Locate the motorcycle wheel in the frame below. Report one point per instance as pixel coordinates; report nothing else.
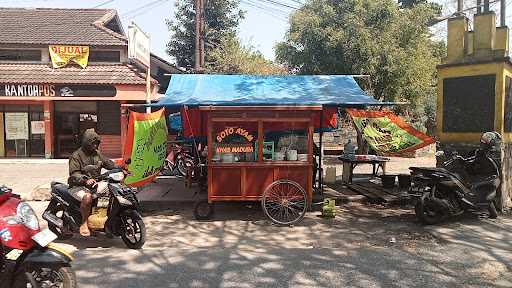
(62, 277)
(183, 163)
(58, 210)
(493, 213)
(203, 210)
(134, 230)
(426, 214)
(167, 168)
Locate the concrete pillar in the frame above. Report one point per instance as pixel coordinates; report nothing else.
(124, 125)
(2, 140)
(48, 129)
(485, 32)
(502, 39)
(457, 28)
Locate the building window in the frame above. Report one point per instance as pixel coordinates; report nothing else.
(105, 56)
(20, 55)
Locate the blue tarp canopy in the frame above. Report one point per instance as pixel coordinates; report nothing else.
(214, 89)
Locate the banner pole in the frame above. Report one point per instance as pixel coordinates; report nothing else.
(148, 90)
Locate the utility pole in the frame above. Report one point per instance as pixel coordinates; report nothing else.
(197, 62)
(202, 36)
(199, 41)
(503, 16)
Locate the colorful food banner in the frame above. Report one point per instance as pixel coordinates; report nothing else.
(387, 133)
(146, 146)
(61, 55)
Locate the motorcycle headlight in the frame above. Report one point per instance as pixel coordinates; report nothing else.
(24, 215)
(118, 176)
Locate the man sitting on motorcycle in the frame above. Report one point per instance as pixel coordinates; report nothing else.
(82, 182)
(481, 162)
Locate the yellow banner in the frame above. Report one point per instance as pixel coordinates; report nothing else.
(61, 55)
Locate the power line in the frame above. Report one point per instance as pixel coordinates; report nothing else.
(281, 4)
(269, 7)
(145, 6)
(264, 9)
(103, 3)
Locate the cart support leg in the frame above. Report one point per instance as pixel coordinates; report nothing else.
(320, 176)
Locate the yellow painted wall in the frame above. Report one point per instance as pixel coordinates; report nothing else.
(457, 28)
(485, 31)
(470, 39)
(501, 38)
(470, 70)
(507, 72)
(2, 150)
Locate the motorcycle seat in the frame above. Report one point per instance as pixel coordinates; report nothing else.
(62, 190)
(488, 181)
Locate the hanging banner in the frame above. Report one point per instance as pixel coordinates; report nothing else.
(61, 55)
(387, 133)
(146, 146)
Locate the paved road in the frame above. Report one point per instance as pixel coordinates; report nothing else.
(365, 246)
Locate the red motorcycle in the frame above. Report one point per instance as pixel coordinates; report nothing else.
(179, 160)
(28, 258)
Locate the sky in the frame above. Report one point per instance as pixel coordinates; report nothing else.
(265, 24)
(262, 28)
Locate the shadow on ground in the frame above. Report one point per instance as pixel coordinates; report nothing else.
(364, 246)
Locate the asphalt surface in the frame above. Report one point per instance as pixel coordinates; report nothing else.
(364, 246)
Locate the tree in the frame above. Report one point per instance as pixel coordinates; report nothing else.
(410, 3)
(221, 21)
(231, 57)
(374, 37)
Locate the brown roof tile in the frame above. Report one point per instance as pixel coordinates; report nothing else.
(92, 74)
(58, 26)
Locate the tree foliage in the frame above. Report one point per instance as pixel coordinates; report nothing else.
(232, 57)
(223, 51)
(374, 37)
(221, 22)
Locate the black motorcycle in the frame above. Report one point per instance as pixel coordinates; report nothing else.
(462, 184)
(115, 210)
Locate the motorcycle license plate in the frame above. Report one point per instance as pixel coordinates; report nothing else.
(14, 254)
(44, 237)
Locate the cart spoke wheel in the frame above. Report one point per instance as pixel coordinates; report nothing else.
(284, 202)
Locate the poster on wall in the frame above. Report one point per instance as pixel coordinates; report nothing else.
(37, 127)
(16, 126)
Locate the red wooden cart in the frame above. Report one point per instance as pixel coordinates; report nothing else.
(260, 153)
(259, 132)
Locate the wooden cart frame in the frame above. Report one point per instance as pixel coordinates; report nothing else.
(262, 180)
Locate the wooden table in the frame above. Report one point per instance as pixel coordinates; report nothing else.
(349, 163)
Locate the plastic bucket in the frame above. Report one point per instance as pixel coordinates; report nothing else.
(404, 181)
(388, 181)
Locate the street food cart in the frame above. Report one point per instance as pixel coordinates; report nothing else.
(259, 136)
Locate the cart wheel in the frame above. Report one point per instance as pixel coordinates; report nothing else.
(284, 202)
(203, 210)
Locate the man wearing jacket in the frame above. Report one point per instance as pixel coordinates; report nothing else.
(84, 165)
